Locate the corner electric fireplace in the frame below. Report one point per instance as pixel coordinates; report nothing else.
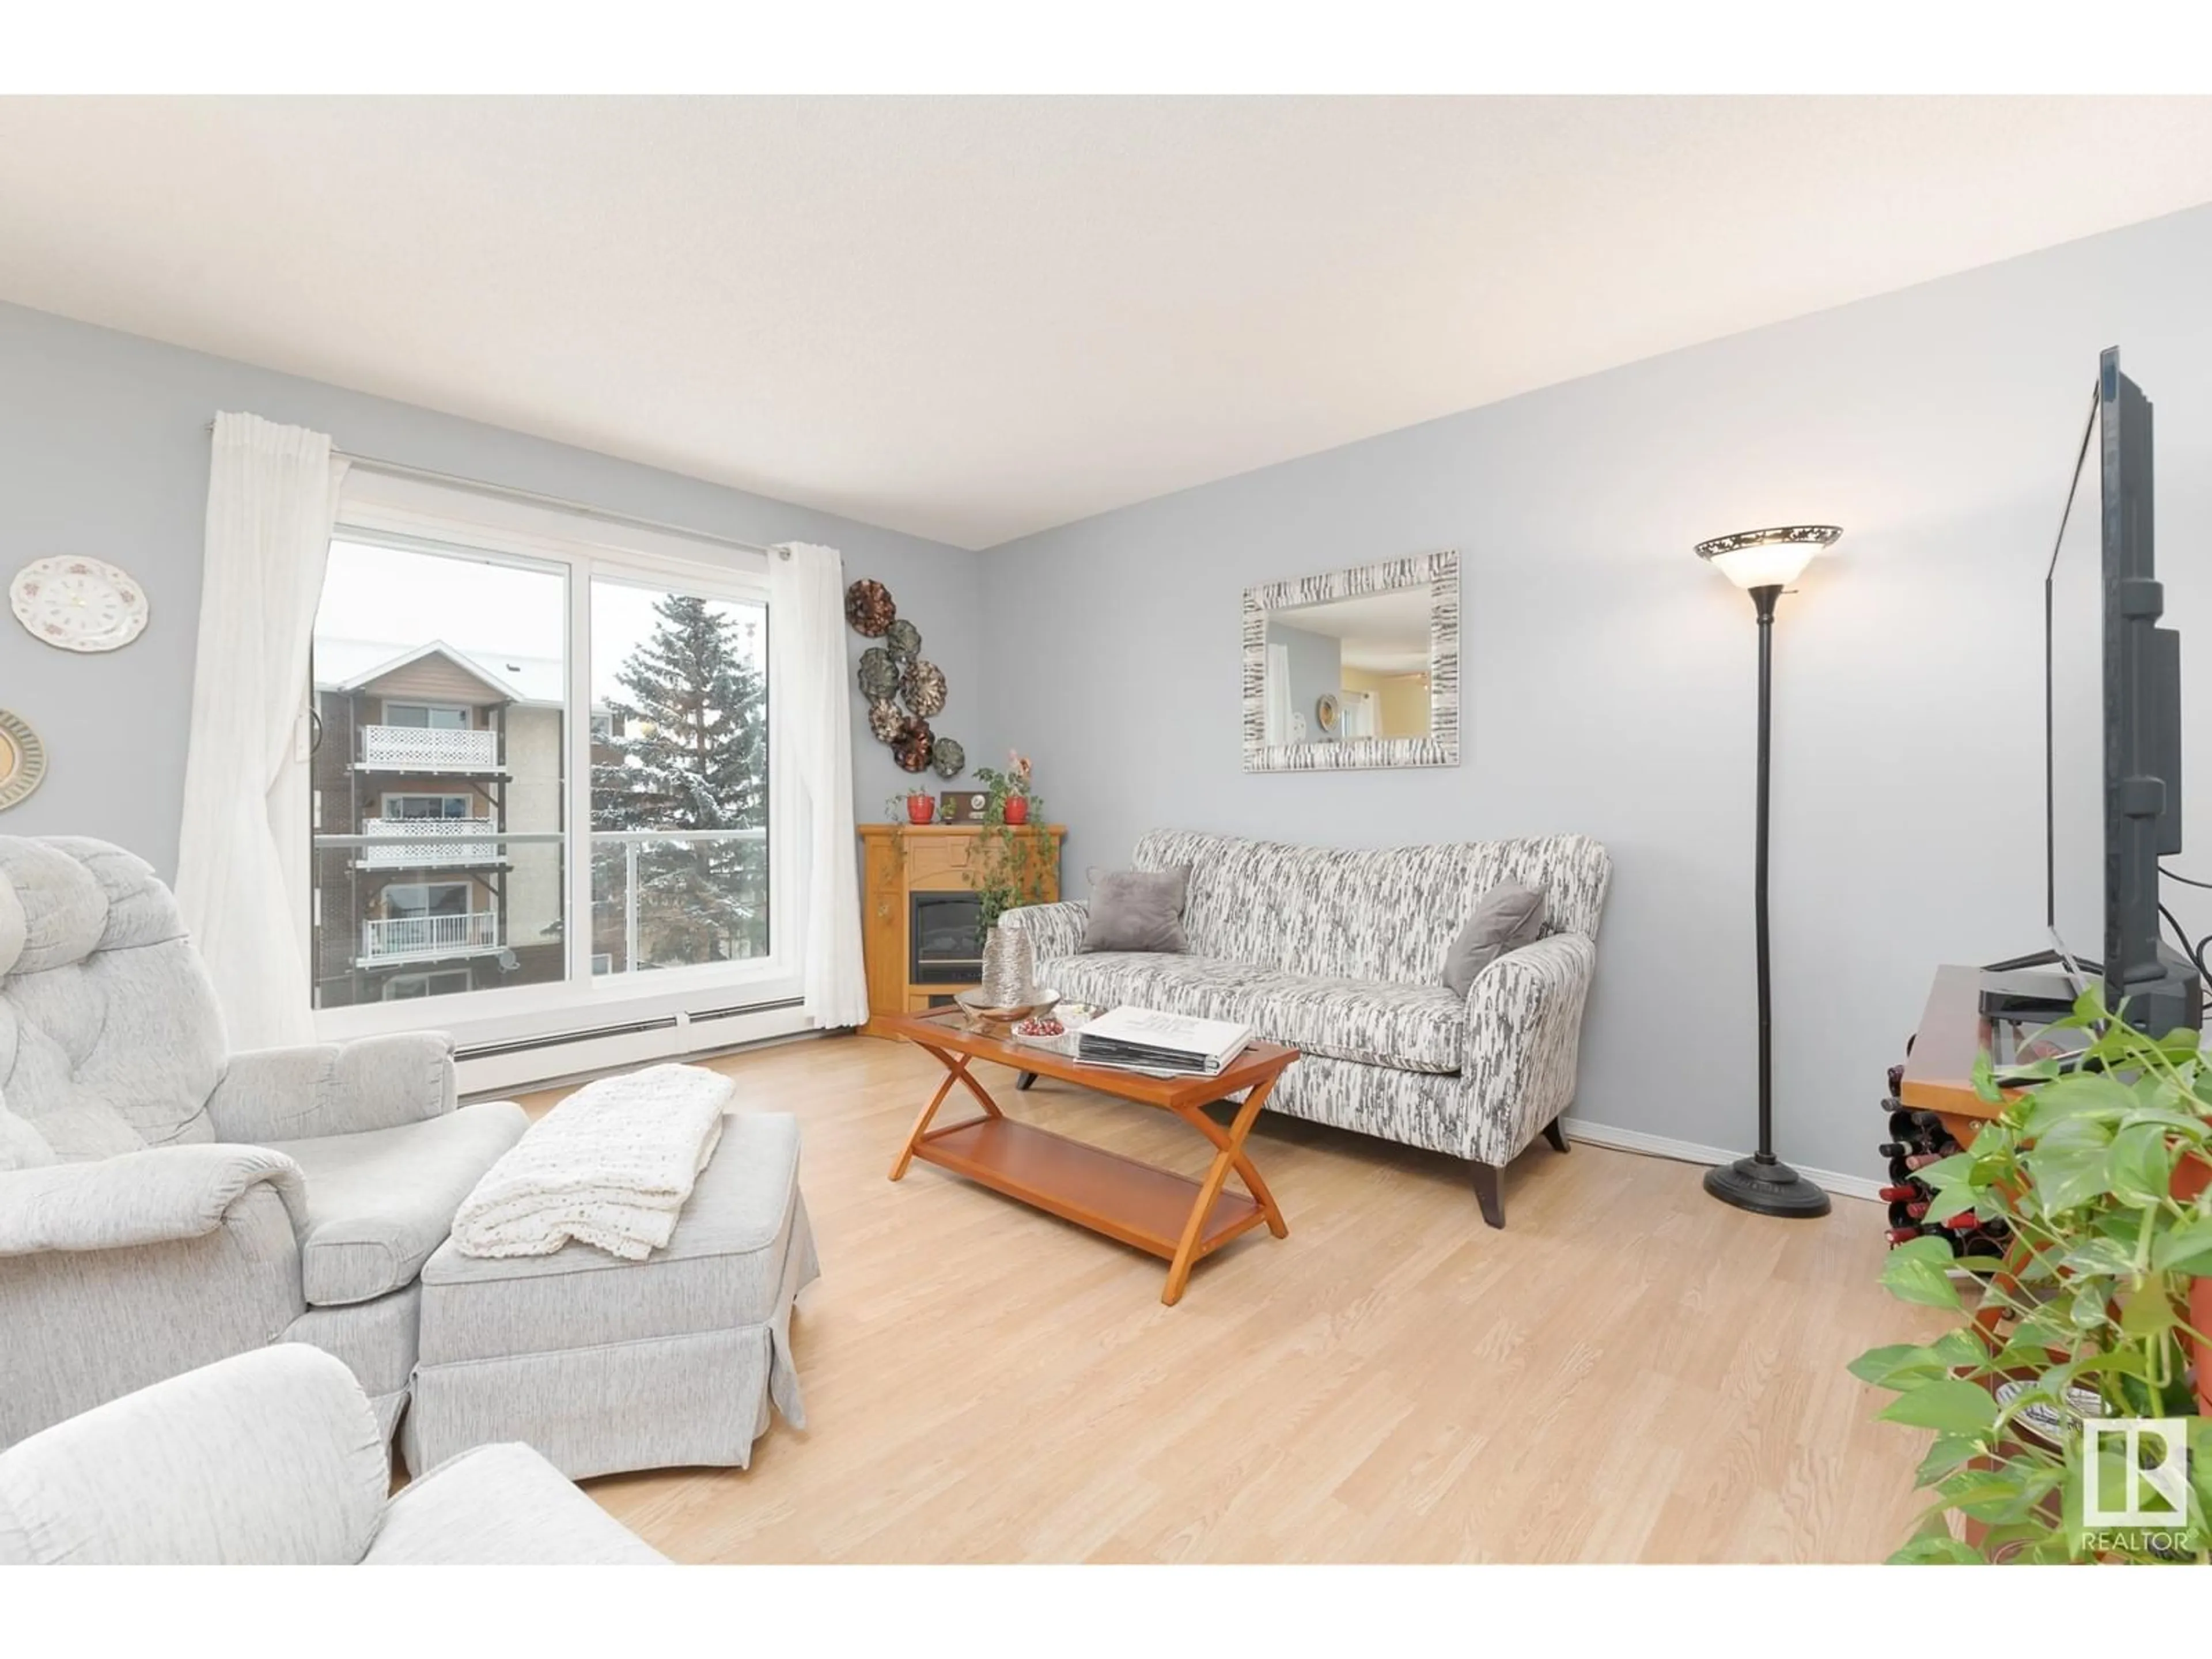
(946, 931)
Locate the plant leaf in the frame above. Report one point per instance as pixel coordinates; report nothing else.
(1945, 1453)
(2187, 1250)
(1948, 1403)
(2138, 1169)
(1932, 1549)
(2067, 1175)
(1896, 1366)
(1916, 1273)
(2149, 1310)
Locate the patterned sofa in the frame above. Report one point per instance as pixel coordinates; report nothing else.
(1341, 953)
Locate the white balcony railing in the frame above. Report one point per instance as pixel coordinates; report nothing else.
(405, 938)
(428, 749)
(428, 843)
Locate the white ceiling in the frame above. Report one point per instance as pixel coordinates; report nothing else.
(975, 318)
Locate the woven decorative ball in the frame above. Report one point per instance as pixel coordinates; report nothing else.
(922, 685)
(911, 749)
(879, 674)
(948, 757)
(870, 610)
(884, 719)
(903, 638)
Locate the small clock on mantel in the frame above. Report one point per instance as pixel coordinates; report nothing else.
(79, 604)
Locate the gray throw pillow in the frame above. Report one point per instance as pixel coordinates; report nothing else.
(1137, 910)
(1507, 917)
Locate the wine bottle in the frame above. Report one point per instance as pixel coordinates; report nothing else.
(1924, 1127)
(1904, 1192)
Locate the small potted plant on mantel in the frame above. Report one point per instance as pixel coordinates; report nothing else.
(917, 805)
(2097, 1174)
(1010, 799)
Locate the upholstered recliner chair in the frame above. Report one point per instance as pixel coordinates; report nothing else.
(274, 1459)
(164, 1204)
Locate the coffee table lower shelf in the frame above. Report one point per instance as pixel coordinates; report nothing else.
(1137, 1203)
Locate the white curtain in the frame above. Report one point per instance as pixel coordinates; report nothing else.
(243, 859)
(806, 618)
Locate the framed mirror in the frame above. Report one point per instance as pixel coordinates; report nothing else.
(1357, 668)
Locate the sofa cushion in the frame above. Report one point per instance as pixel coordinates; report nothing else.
(1509, 917)
(380, 1203)
(1415, 1028)
(1136, 910)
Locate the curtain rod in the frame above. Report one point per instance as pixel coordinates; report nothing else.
(536, 498)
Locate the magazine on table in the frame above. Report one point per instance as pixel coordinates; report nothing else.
(1171, 1045)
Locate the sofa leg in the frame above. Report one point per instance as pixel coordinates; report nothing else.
(1556, 1133)
(1025, 1079)
(1489, 1192)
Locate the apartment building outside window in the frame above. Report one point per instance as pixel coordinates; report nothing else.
(543, 773)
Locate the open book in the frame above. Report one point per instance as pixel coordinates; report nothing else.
(1177, 1045)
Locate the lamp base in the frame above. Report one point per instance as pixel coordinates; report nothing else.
(1766, 1186)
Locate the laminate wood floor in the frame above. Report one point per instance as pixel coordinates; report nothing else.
(1630, 1372)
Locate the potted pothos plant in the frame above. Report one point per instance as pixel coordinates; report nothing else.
(1008, 870)
(2100, 1173)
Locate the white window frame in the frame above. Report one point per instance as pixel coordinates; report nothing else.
(414, 514)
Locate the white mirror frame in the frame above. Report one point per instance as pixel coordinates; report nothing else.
(1440, 573)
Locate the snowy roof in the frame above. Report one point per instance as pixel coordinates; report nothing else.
(344, 664)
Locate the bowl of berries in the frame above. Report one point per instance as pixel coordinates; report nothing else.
(1055, 1028)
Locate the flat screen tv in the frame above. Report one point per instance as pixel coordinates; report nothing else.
(2112, 728)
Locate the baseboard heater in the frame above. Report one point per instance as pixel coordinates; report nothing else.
(630, 1028)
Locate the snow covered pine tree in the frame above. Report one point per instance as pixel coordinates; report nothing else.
(687, 750)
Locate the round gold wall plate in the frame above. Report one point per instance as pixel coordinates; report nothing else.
(22, 761)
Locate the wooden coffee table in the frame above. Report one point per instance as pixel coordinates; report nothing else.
(1170, 1215)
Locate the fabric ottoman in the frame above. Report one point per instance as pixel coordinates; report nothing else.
(606, 1366)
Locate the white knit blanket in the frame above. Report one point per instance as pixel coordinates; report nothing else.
(610, 1165)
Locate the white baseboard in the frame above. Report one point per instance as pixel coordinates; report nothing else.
(1686, 1152)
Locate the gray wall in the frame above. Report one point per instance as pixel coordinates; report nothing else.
(1608, 677)
(104, 451)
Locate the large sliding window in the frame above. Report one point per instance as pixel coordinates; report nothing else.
(543, 769)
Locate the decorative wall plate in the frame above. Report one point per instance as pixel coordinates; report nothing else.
(869, 608)
(23, 760)
(1326, 711)
(884, 719)
(79, 604)
(912, 750)
(879, 674)
(922, 685)
(903, 638)
(947, 756)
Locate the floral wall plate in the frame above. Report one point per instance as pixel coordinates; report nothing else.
(23, 760)
(79, 604)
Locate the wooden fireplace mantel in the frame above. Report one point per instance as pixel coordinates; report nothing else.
(898, 860)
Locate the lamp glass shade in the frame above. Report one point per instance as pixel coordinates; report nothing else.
(1767, 558)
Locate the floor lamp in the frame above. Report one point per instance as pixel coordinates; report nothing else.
(1763, 562)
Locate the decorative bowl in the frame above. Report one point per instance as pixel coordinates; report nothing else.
(976, 1006)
